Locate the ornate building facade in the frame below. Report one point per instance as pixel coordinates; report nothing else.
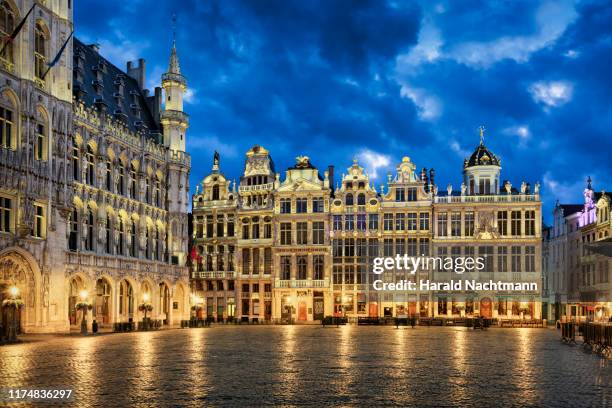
(95, 178)
(323, 241)
(577, 262)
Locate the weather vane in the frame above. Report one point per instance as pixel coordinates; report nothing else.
(482, 130)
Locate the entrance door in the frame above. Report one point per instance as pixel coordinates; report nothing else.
(485, 307)
(318, 309)
(302, 313)
(6, 315)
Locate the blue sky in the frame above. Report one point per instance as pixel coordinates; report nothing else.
(336, 80)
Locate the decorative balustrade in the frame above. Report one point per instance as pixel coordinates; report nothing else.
(497, 198)
(258, 187)
(299, 284)
(123, 264)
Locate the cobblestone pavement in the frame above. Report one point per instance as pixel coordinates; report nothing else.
(299, 365)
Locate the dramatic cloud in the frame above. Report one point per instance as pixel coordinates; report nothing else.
(376, 80)
(553, 93)
(373, 161)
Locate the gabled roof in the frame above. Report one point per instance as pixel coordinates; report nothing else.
(122, 106)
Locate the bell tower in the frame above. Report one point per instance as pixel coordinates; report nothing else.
(174, 121)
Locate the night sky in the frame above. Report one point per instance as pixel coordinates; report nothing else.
(336, 80)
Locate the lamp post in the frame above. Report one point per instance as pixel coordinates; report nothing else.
(83, 306)
(145, 307)
(13, 304)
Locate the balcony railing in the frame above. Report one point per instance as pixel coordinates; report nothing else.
(307, 283)
(258, 187)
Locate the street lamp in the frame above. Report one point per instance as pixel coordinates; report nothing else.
(83, 306)
(145, 307)
(12, 305)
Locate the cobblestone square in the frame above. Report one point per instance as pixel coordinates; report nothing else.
(311, 365)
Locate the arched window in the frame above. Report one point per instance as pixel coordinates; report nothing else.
(7, 25)
(215, 192)
(126, 300)
(148, 243)
(361, 199)
(6, 127)
(156, 245)
(40, 51)
(348, 200)
(90, 171)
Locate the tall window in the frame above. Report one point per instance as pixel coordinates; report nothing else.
(349, 222)
(5, 214)
(267, 228)
(361, 199)
(442, 225)
(361, 222)
(348, 200)
(388, 222)
(90, 170)
(411, 221)
(120, 187)
(502, 222)
(317, 205)
(108, 175)
(502, 259)
(157, 192)
(40, 147)
(39, 221)
(147, 242)
(119, 243)
(156, 254)
(318, 267)
(89, 226)
(515, 223)
(74, 230)
(109, 240)
(400, 194)
(285, 206)
(400, 221)
(285, 231)
(456, 224)
(7, 24)
(133, 181)
(6, 127)
(530, 222)
(302, 265)
(301, 205)
(147, 190)
(412, 194)
(40, 54)
(215, 192)
(220, 226)
(267, 261)
(530, 259)
(469, 224)
(318, 232)
(424, 221)
(337, 223)
(516, 259)
(75, 161)
(373, 222)
(302, 233)
(285, 263)
(133, 239)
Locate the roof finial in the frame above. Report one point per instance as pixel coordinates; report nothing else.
(173, 29)
(482, 130)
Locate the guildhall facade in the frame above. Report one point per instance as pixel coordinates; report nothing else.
(94, 178)
(304, 249)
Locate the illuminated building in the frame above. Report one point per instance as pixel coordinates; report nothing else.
(283, 262)
(94, 189)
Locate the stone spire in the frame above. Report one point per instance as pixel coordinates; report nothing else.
(174, 67)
